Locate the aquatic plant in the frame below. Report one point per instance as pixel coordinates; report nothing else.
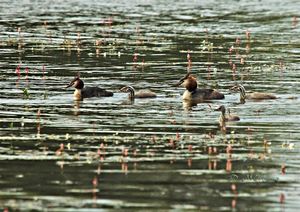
(26, 93)
(45, 95)
(11, 41)
(205, 45)
(60, 150)
(18, 72)
(135, 57)
(26, 72)
(247, 32)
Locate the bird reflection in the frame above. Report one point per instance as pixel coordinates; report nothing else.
(188, 105)
(129, 101)
(77, 107)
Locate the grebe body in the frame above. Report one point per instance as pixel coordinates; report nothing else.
(82, 92)
(226, 118)
(140, 94)
(195, 94)
(254, 95)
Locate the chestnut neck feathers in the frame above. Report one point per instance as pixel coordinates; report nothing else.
(189, 82)
(78, 83)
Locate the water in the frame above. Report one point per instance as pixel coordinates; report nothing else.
(152, 154)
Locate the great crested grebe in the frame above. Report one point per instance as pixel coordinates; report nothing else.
(82, 92)
(140, 94)
(254, 95)
(192, 93)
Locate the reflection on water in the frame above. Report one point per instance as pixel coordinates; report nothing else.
(154, 154)
(76, 107)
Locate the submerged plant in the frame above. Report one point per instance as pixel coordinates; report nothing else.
(45, 95)
(26, 93)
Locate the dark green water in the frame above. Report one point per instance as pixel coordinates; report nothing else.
(152, 154)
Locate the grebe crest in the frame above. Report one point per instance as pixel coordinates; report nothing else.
(189, 82)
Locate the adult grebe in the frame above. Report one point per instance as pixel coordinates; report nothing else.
(192, 93)
(82, 92)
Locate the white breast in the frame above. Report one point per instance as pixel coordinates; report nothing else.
(77, 94)
(187, 95)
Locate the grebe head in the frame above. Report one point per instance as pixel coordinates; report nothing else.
(241, 89)
(222, 109)
(129, 89)
(189, 82)
(76, 83)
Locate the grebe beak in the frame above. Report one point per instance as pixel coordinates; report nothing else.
(218, 108)
(123, 89)
(181, 80)
(72, 83)
(178, 84)
(234, 88)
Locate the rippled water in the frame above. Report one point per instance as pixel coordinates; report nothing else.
(57, 154)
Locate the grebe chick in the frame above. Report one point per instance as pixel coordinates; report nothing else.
(225, 118)
(82, 92)
(140, 94)
(254, 95)
(192, 93)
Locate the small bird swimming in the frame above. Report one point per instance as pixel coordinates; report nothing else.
(225, 118)
(82, 92)
(140, 94)
(229, 117)
(254, 95)
(192, 93)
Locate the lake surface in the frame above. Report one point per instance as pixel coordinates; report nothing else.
(150, 154)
